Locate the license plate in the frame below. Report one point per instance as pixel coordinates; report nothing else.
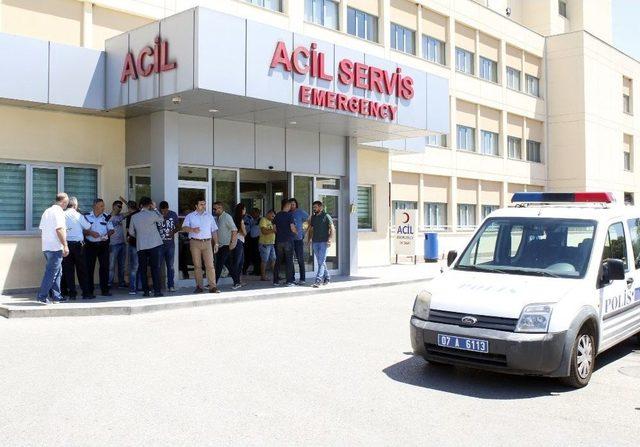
(464, 343)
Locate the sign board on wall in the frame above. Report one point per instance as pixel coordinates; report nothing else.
(405, 229)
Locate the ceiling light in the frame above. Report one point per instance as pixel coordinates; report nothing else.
(176, 100)
(293, 122)
(213, 110)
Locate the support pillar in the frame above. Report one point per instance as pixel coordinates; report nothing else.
(350, 201)
(87, 24)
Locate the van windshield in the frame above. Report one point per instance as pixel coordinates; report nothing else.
(531, 246)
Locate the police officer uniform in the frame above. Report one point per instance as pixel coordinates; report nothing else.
(98, 248)
(75, 261)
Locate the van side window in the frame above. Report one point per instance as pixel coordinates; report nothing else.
(634, 234)
(615, 244)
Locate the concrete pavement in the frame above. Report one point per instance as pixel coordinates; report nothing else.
(330, 369)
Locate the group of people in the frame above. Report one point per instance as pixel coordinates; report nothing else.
(72, 244)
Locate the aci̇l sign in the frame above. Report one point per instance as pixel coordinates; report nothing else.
(150, 60)
(304, 60)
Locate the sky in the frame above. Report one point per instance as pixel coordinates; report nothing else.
(626, 26)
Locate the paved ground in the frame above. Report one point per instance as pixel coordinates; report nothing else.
(316, 370)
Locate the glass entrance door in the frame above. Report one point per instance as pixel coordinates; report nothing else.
(303, 192)
(188, 195)
(328, 192)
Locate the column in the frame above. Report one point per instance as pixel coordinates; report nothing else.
(524, 138)
(421, 219)
(350, 200)
(164, 142)
(523, 87)
(502, 68)
(419, 31)
(476, 55)
(478, 202)
(477, 133)
(87, 24)
(452, 209)
(450, 46)
(384, 28)
(504, 192)
(0, 16)
(504, 144)
(453, 134)
(342, 25)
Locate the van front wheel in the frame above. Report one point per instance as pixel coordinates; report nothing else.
(583, 358)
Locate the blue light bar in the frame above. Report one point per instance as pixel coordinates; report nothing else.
(562, 197)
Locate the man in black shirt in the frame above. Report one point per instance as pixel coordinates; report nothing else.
(285, 227)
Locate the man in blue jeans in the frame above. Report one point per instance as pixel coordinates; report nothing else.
(285, 233)
(54, 247)
(117, 246)
(300, 218)
(319, 234)
(167, 231)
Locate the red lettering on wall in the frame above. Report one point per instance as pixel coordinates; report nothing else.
(140, 67)
(295, 62)
(281, 57)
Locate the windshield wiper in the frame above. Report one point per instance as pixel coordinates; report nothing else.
(477, 268)
(533, 272)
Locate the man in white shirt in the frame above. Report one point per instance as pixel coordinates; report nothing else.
(75, 262)
(202, 230)
(97, 247)
(54, 247)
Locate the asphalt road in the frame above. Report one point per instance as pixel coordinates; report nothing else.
(321, 370)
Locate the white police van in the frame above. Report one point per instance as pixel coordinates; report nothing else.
(540, 289)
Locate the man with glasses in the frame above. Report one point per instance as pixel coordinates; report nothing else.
(203, 231)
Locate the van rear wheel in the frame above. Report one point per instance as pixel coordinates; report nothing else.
(583, 358)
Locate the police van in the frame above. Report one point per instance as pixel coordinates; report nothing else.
(542, 288)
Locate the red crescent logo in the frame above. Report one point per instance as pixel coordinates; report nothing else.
(406, 218)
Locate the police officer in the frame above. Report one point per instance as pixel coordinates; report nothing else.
(74, 262)
(97, 247)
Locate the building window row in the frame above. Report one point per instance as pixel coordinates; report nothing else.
(488, 69)
(433, 49)
(464, 61)
(274, 5)
(489, 144)
(402, 39)
(26, 190)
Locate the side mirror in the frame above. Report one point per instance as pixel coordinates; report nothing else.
(451, 256)
(612, 270)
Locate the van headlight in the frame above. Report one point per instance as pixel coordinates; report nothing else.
(534, 318)
(422, 304)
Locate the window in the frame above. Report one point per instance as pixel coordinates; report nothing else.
(532, 247)
(44, 184)
(533, 85)
(437, 140)
(12, 196)
(361, 24)
(466, 138)
(562, 8)
(466, 215)
(433, 49)
(365, 207)
(634, 234)
(401, 205)
(514, 146)
(402, 39)
(533, 151)
(435, 215)
(26, 190)
(223, 184)
(488, 209)
(615, 245)
(488, 69)
(322, 12)
(628, 198)
(513, 78)
(274, 5)
(627, 161)
(489, 142)
(626, 104)
(464, 61)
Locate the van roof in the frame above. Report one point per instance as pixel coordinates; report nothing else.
(574, 211)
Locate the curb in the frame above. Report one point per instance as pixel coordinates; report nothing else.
(140, 307)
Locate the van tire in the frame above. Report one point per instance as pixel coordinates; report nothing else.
(583, 356)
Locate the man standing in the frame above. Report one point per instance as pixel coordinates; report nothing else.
(54, 248)
(266, 244)
(117, 248)
(320, 234)
(132, 252)
(300, 218)
(145, 228)
(227, 237)
(168, 230)
(202, 230)
(285, 235)
(97, 247)
(75, 262)
(251, 251)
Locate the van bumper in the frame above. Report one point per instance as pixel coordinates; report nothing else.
(510, 352)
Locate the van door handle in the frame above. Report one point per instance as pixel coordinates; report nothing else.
(629, 281)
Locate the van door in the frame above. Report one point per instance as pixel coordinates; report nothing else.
(615, 295)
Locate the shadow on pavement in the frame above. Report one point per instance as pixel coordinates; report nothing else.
(619, 351)
(470, 382)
